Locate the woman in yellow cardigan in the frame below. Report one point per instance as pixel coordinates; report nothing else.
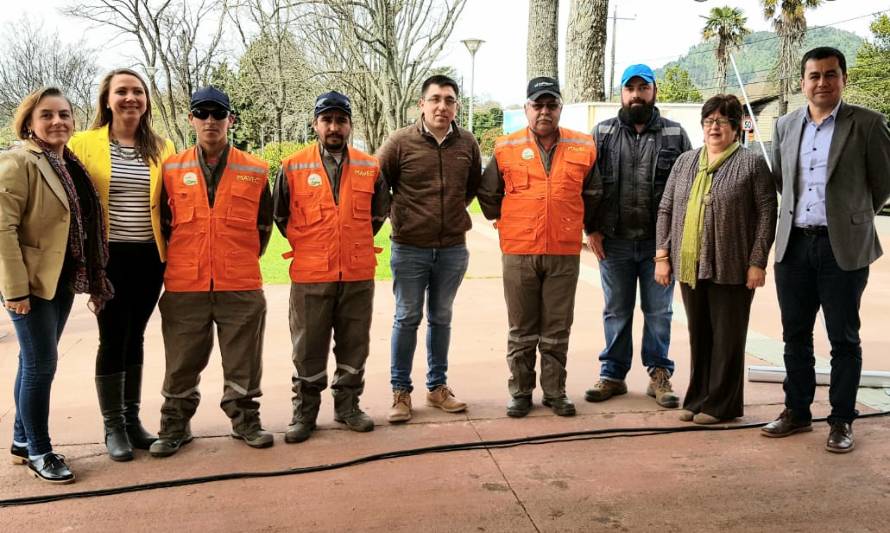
(124, 155)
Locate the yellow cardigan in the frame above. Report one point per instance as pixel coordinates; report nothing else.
(92, 148)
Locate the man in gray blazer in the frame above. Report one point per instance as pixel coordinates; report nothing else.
(831, 163)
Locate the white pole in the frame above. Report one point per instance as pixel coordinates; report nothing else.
(776, 374)
(472, 82)
(751, 113)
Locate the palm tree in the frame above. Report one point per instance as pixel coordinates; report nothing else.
(726, 25)
(790, 22)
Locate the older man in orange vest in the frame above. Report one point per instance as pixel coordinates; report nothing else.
(329, 202)
(217, 218)
(540, 189)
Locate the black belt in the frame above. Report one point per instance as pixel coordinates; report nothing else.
(811, 230)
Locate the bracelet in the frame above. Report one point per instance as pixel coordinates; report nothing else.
(662, 259)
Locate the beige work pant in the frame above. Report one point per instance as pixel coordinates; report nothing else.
(187, 320)
(540, 295)
(317, 310)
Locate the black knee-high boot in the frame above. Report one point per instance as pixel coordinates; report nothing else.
(139, 437)
(111, 402)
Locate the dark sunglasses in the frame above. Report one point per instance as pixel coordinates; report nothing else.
(217, 114)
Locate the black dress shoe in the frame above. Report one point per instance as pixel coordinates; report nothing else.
(19, 454)
(51, 468)
(560, 405)
(519, 406)
(840, 438)
(785, 425)
(165, 447)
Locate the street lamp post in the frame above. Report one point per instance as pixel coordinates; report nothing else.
(472, 45)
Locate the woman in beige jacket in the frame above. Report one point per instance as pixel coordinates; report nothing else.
(52, 245)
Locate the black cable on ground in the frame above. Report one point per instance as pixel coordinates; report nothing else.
(551, 438)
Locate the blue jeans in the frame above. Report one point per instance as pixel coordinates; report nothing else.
(38, 332)
(809, 278)
(434, 273)
(627, 262)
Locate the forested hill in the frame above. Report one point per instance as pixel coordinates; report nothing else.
(757, 56)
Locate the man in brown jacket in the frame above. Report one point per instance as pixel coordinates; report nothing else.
(433, 168)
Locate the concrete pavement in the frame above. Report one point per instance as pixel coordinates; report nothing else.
(733, 480)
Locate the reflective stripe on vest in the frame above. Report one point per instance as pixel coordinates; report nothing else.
(543, 214)
(215, 247)
(330, 242)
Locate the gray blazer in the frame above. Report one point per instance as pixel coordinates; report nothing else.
(858, 183)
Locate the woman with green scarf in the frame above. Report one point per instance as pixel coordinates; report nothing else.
(716, 224)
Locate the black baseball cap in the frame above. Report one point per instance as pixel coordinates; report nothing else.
(542, 85)
(210, 95)
(332, 100)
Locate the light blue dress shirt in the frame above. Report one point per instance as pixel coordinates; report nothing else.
(812, 170)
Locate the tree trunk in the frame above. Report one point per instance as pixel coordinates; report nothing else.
(543, 39)
(586, 51)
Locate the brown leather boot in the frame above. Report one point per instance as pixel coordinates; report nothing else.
(660, 389)
(401, 406)
(444, 399)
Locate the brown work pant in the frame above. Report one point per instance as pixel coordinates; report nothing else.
(717, 317)
(540, 295)
(315, 310)
(187, 320)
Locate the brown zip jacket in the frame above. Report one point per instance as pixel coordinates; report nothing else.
(431, 185)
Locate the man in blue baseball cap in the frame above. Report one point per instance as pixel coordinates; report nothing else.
(329, 202)
(216, 217)
(636, 152)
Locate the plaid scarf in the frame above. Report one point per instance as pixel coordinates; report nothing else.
(87, 243)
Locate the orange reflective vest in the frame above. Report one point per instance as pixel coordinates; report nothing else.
(330, 242)
(214, 248)
(543, 214)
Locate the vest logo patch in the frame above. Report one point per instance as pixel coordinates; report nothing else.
(190, 179)
(576, 149)
(364, 172)
(314, 180)
(251, 179)
(528, 154)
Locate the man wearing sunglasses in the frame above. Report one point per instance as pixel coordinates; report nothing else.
(433, 168)
(637, 150)
(540, 189)
(329, 202)
(216, 213)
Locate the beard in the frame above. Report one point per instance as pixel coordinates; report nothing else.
(334, 144)
(638, 114)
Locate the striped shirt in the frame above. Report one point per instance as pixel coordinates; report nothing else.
(129, 210)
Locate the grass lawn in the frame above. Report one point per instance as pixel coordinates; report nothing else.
(275, 268)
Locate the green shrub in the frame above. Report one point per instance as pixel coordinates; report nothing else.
(274, 152)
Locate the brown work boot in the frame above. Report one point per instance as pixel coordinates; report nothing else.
(605, 389)
(444, 399)
(660, 389)
(401, 406)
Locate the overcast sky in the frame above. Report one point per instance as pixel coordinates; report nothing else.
(661, 31)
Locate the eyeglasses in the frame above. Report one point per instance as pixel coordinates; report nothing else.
(436, 100)
(552, 106)
(203, 114)
(708, 122)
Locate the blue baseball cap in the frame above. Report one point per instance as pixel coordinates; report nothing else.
(210, 95)
(637, 71)
(332, 100)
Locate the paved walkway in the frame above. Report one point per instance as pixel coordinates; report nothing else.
(730, 480)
